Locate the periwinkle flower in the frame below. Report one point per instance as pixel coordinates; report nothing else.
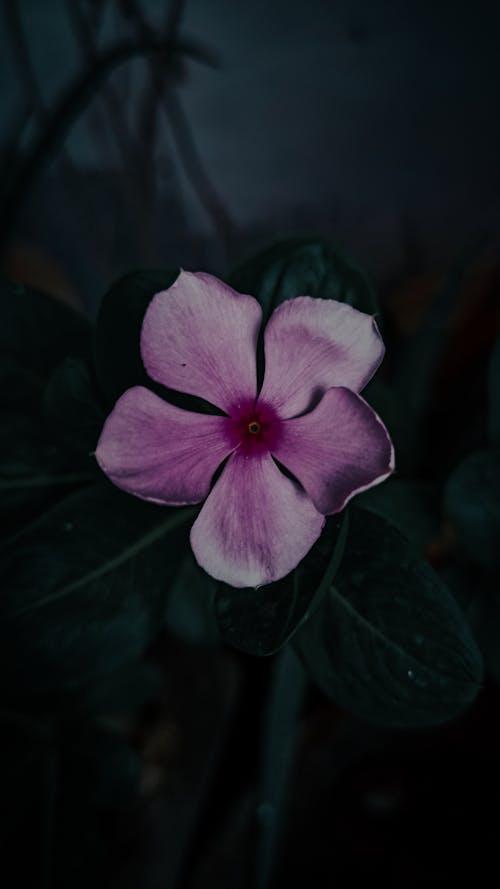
(200, 337)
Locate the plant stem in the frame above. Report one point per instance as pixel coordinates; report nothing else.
(279, 742)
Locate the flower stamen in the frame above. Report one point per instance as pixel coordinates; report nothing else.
(254, 427)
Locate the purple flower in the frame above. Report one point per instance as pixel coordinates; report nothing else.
(200, 337)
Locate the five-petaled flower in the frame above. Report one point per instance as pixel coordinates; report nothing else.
(200, 337)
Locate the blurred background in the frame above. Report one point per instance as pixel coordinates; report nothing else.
(373, 124)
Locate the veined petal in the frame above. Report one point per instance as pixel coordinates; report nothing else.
(256, 524)
(337, 450)
(159, 452)
(313, 344)
(200, 337)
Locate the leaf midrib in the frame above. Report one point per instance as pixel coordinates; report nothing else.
(390, 642)
(128, 553)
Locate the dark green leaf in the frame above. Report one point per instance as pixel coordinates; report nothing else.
(387, 404)
(259, 621)
(472, 503)
(28, 462)
(303, 267)
(412, 506)
(494, 395)
(190, 611)
(73, 411)
(42, 457)
(84, 587)
(33, 470)
(117, 338)
(36, 333)
(389, 643)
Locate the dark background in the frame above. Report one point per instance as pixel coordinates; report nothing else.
(374, 124)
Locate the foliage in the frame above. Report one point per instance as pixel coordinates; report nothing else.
(91, 577)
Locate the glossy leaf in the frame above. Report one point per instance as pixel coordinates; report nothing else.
(29, 463)
(386, 402)
(42, 458)
(389, 643)
(303, 267)
(36, 333)
(73, 412)
(118, 329)
(190, 614)
(259, 621)
(84, 587)
(410, 505)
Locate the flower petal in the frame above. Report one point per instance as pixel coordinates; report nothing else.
(200, 337)
(256, 524)
(313, 344)
(159, 452)
(337, 450)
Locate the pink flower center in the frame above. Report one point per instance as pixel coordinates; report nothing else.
(253, 427)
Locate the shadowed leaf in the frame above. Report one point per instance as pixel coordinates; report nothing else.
(389, 643)
(303, 267)
(84, 587)
(259, 621)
